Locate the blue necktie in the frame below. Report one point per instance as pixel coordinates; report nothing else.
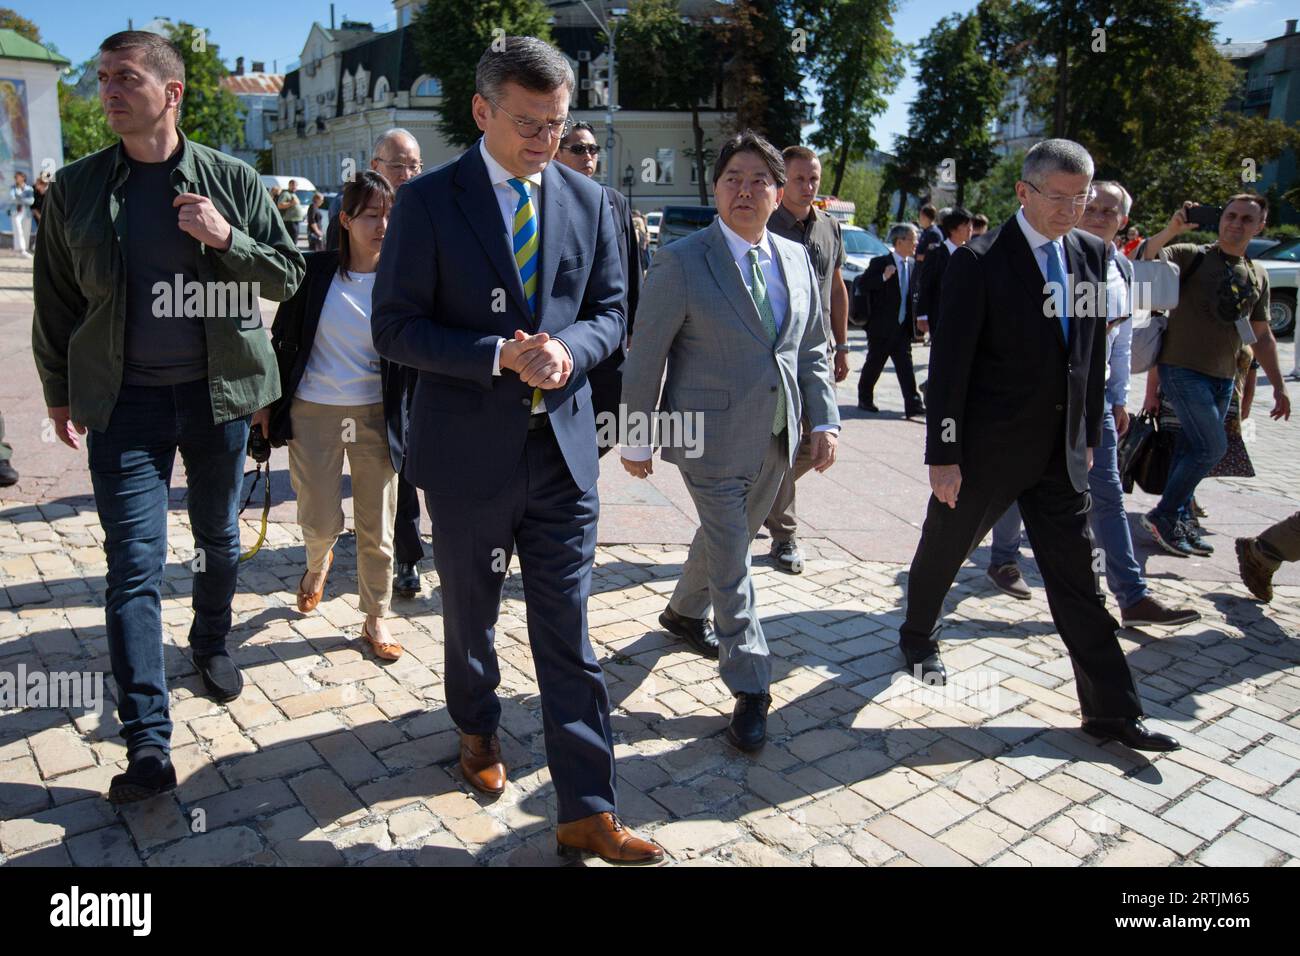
(903, 286)
(1060, 291)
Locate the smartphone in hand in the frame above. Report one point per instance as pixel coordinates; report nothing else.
(1204, 217)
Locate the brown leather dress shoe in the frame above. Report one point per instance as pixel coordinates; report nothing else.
(604, 836)
(480, 762)
(307, 600)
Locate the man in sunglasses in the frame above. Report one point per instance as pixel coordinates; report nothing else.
(1014, 411)
(580, 152)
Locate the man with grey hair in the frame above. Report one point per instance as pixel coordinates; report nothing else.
(1015, 409)
(501, 284)
(884, 293)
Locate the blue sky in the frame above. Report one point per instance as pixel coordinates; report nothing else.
(259, 30)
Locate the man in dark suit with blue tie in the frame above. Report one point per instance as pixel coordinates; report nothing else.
(501, 284)
(886, 290)
(1014, 413)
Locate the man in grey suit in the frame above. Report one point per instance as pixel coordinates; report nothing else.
(734, 313)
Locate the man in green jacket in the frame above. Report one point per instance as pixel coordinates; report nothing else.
(147, 333)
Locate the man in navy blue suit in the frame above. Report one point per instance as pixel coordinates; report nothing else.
(501, 284)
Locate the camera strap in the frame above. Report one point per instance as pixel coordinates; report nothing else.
(258, 475)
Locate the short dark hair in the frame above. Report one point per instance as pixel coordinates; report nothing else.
(747, 141)
(581, 125)
(799, 152)
(355, 198)
(161, 57)
(980, 219)
(929, 210)
(532, 63)
(1256, 198)
(954, 218)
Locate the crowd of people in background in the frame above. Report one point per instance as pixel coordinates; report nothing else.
(462, 331)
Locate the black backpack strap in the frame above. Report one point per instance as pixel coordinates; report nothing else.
(1191, 269)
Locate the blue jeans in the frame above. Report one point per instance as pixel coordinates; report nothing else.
(1201, 404)
(1110, 523)
(1006, 539)
(131, 467)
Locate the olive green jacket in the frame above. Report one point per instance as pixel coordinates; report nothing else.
(79, 326)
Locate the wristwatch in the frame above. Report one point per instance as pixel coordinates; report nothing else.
(843, 348)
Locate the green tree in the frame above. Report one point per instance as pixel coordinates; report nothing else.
(950, 120)
(995, 194)
(856, 62)
(450, 37)
(764, 81)
(210, 114)
(904, 174)
(859, 185)
(667, 61)
(13, 20)
(85, 130)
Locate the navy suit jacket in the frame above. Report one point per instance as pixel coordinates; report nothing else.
(448, 289)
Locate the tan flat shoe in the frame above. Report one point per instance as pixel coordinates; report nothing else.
(384, 650)
(307, 600)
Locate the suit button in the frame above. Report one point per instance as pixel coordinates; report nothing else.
(772, 389)
(1060, 408)
(528, 403)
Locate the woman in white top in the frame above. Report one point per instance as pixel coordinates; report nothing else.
(339, 399)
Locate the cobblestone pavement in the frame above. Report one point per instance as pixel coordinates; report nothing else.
(332, 757)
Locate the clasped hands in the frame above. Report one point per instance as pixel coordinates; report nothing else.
(539, 360)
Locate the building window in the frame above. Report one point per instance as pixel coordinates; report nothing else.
(664, 159)
(427, 86)
(381, 89)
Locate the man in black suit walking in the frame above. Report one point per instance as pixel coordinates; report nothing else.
(581, 153)
(886, 288)
(1015, 410)
(956, 225)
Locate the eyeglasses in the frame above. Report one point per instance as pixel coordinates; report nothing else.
(412, 168)
(580, 149)
(528, 129)
(1060, 201)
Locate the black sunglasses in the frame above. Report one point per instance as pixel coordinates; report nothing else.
(578, 149)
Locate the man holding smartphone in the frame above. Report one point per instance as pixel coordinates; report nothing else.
(1223, 303)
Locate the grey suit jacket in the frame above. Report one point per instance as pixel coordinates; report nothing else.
(697, 319)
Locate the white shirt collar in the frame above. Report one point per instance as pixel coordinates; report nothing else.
(952, 246)
(740, 246)
(498, 174)
(1032, 235)
(899, 259)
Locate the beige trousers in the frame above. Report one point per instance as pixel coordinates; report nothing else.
(321, 436)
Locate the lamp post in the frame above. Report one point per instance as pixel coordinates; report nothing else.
(610, 26)
(629, 175)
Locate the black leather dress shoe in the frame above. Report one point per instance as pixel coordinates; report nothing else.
(929, 670)
(406, 579)
(220, 675)
(149, 773)
(748, 728)
(1131, 733)
(8, 475)
(695, 631)
(868, 406)
(915, 411)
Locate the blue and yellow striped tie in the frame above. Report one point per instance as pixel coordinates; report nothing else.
(525, 246)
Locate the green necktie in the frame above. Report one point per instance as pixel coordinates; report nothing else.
(758, 289)
(525, 247)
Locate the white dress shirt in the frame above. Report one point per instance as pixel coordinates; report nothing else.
(1038, 243)
(507, 199)
(1119, 335)
(739, 247)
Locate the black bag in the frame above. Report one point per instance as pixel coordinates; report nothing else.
(1150, 467)
(1141, 429)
